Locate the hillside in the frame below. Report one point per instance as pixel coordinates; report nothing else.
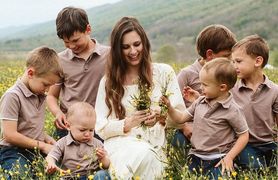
(167, 22)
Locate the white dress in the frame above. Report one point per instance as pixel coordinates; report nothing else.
(138, 152)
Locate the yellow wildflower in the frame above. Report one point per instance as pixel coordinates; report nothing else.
(234, 173)
(91, 177)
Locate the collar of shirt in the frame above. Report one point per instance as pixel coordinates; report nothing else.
(225, 103)
(70, 140)
(27, 92)
(266, 83)
(97, 50)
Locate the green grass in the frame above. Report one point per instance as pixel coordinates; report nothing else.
(177, 168)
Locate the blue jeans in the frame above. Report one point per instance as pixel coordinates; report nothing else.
(255, 156)
(179, 140)
(207, 166)
(12, 156)
(99, 175)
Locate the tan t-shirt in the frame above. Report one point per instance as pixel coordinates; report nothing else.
(260, 109)
(215, 128)
(189, 76)
(80, 158)
(19, 104)
(81, 78)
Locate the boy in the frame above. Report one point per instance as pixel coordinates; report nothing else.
(22, 110)
(258, 97)
(79, 151)
(82, 63)
(220, 131)
(213, 41)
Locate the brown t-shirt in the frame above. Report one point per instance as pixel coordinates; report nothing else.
(19, 104)
(215, 128)
(80, 158)
(189, 76)
(81, 77)
(260, 109)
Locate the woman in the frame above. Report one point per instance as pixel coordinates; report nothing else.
(133, 149)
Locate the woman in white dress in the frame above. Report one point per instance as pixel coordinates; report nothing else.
(134, 150)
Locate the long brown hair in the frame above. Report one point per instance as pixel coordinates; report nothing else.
(116, 66)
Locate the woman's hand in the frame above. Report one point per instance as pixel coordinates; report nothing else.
(151, 119)
(135, 119)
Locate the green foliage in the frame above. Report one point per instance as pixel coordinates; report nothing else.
(176, 162)
(167, 53)
(275, 58)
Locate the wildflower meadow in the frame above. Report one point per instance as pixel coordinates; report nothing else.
(176, 167)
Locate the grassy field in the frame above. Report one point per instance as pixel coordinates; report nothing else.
(10, 71)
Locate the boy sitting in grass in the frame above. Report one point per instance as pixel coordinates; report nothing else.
(80, 153)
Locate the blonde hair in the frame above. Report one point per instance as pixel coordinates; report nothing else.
(223, 70)
(81, 107)
(44, 60)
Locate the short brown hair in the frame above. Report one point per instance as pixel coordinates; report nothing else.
(44, 60)
(70, 20)
(215, 37)
(224, 71)
(254, 46)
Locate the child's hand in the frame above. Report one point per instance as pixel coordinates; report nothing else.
(101, 153)
(187, 130)
(45, 147)
(51, 168)
(159, 118)
(190, 94)
(165, 100)
(61, 121)
(49, 140)
(227, 165)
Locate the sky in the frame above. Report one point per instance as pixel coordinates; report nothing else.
(26, 12)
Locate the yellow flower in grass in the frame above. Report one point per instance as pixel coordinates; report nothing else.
(78, 167)
(245, 178)
(2, 178)
(91, 177)
(234, 173)
(137, 178)
(61, 173)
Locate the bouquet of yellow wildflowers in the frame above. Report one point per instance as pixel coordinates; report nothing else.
(142, 101)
